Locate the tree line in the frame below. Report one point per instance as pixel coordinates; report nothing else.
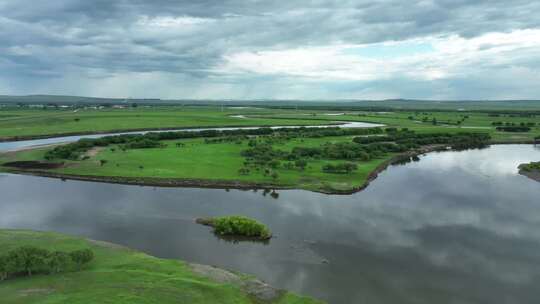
(513, 124)
(412, 140)
(74, 151)
(514, 129)
(262, 154)
(29, 260)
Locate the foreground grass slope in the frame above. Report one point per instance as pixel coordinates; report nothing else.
(120, 275)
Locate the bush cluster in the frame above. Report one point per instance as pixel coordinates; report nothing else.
(28, 260)
(532, 167)
(414, 140)
(513, 129)
(340, 168)
(513, 124)
(263, 154)
(240, 226)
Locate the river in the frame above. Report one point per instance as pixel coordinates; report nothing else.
(15, 145)
(454, 227)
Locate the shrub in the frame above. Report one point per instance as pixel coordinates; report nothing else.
(243, 171)
(340, 168)
(59, 261)
(535, 166)
(301, 164)
(3, 268)
(240, 226)
(514, 129)
(81, 257)
(28, 260)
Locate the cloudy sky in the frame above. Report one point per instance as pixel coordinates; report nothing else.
(294, 49)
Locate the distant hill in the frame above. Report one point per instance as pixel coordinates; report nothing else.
(327, 104)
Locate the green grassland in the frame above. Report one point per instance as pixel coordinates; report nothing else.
(119, 275)
(198, 160)
(38, 122)
(446, 121)
(31, 122)
(216, 163)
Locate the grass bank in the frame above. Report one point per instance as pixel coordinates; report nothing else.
(121, 275)
(198, 164)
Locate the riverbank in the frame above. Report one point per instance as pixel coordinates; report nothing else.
(234, 184)
(122, 275)
(299, 159)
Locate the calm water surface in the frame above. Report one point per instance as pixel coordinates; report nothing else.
(456, 227)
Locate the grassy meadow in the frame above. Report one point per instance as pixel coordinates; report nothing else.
(422, 121)
(195, 160)
(216, 161)
(33, 122)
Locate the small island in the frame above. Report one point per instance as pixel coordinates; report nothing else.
(237, 227)
(531, 170)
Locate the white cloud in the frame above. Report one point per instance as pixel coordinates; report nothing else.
(450, 56)
(181, 21)
(273, 49)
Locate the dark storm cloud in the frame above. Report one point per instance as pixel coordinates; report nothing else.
(100, 37)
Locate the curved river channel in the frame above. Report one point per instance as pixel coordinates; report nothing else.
(454, 227)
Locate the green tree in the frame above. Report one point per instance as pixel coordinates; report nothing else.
(274, 163)
(243, 171)
(58, 261)
(301, 164)
(4, 269)
(28, 259)
(81, 257)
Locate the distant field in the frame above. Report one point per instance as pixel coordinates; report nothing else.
(119, 275)
(193, 160)
(28, 122)
(33, 122)
(422, 121)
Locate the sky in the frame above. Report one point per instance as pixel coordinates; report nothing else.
(264, 49)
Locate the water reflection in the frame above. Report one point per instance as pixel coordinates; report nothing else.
(455, 227)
